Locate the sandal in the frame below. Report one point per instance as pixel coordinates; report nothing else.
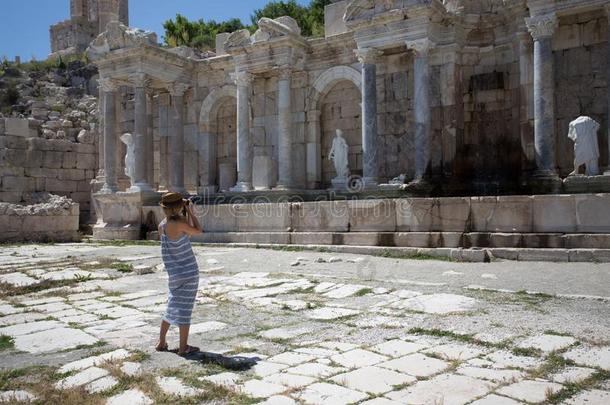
(189, 350)
(162, 348)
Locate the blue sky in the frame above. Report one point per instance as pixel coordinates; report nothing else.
(24, 30)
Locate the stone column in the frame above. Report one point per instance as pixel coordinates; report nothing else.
(150, 145)
(370, 164)
(243, 80)
(140, 182)
(100, 137)
(542, 27)
(607, 172)
(314, 149)
(109, 87)
(164, 106)
(284, 140)
(176, 138)
(421, 78)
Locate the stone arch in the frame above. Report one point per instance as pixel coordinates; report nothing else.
(328, 79)
(211, 103)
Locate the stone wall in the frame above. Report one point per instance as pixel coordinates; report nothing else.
(42, 218)
(29, 163)
(581, 67)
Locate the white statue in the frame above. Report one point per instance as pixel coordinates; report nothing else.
(583, 131)
(338, 154)
(130, 157)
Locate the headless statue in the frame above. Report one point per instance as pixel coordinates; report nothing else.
(130, 157)
(583, 131)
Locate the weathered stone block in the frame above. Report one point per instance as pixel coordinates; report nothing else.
(372, 215)
(85, 161)
(593, 213)
(311, 238)
(453, 215)
(587, 241)
(52, 159)
(501, 214)
(416, 239)
(19, 127)
(14, 183)
(263, 217)
(59, 186)
(554, 213)
(322, 216)
(508, 240)
(545, 255)
(543, 240)
(414, 214)
(358, 238)
(218, 218)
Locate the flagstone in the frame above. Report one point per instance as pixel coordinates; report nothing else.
(456, 351)
(278, 400)
(261, 389)
(446, 389)
(16, 395)
(265, 368)
(317, 370)
(325, 286)
(206, 327)
(21, 318)
(572, 375)
(101, 385)
(372, 380)
(316, 351)
(329, 394)
(341, 346)
(530, 391)
(344, 291)
(85, 296)
(290, 380)
(53, 340)
(17, 279)
(95, 360)
(84, 377)
(493, 399)
(226, 379)
(130, 397)
(174, 386)
(440, 303)
(283, 333)
(117, 312)
(328, 313)
(591, 397)
(492, 374)
(358, 358)
(416, 364)
(547, 343)
(397, 348)
(406, 293)
(291, 358)
(80, 319)
(506, 359)
(25, 328)
(131, 369)
(590, 356)
(51, 307)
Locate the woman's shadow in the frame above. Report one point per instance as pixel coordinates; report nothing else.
(236, 363)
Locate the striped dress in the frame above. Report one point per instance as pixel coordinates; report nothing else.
(181, 266)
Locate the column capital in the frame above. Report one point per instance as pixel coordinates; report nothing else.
(177, 89)
(242, 78)
(421, 47)
(284, 72)
(108, 84)
(139, 80)
(367, 55)
(542, 26)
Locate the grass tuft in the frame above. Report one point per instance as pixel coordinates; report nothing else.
(6, 342)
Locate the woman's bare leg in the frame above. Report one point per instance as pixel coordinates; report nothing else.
(184, 337)
(162, 335)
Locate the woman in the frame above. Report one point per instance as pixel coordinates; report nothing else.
(181, 266)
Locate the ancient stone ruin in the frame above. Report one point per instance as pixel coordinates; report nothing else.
(455, 115)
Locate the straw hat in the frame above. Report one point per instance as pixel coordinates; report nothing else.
(170, 199)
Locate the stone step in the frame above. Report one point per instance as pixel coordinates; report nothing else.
(417, 239)
(458, 254)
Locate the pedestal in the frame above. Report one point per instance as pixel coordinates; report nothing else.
(121, 214)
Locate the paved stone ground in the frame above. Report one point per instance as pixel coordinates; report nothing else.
(78, 324)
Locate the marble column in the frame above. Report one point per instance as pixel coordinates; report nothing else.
(140, 82)
(243, 80)
(542, 27)
(109, 87)
(607, 172)
(370, 164)
(100, 142)
(421, 79)
(284, 140)
(150, 146)
(314, 149)
(176, 138)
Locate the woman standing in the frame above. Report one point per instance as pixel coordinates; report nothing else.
(181, 266)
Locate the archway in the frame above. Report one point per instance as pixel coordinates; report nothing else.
(334, 103)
